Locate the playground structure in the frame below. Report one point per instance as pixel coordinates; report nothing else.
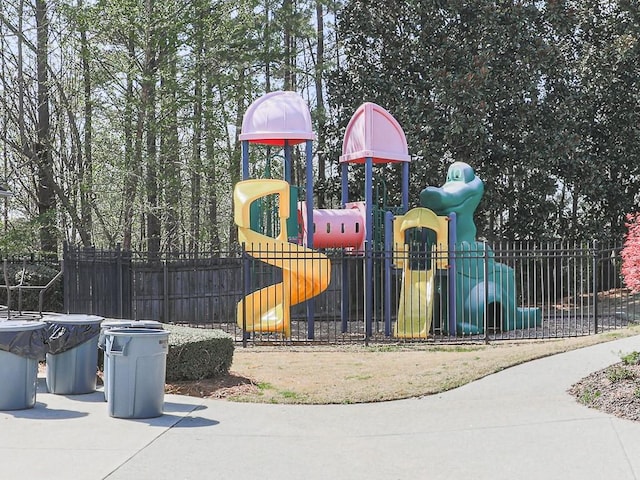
(484, 289)
(451, 276)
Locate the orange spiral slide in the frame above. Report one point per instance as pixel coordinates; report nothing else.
(305, 272)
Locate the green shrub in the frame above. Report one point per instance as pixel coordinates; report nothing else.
(632, 358)
(197, 353)
(618, 374)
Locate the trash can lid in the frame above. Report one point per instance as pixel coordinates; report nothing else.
(117, 323)
(20, 325)
(73, 319)
(120, 323)
(148, 324)
(130, 332)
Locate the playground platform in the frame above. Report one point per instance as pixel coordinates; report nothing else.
(519, 423)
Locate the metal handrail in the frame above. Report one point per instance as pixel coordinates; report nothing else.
(20, 287)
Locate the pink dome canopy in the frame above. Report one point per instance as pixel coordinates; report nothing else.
(373, 132)
(276, 117)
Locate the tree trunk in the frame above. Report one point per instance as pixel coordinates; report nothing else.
(42, 151)
(148, 105)
(85, 165)
(212, 200)
(196, 153)
(169, 149)
(287, 8)
(132, 161)
(320, 111)
(236, 157)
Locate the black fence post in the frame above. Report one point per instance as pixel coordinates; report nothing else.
(165, 290)
(119, 298)
(485, 276)
(246, 285)
(66, 277)
(595, 285)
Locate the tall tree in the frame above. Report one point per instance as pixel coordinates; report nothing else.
(85, 165)
(463, 79)
(42, 149)
(149, 121)
(169, 142)
(321, 116)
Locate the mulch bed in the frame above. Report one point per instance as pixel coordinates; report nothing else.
(614, 390)
(222, 387)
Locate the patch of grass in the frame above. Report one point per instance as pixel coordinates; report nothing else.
(618, 373)
(357, 374)
(385, 348)
(588, 396)
(458, 348)
(290, 395)
(426, 348)
(636, 393)
(612, 335)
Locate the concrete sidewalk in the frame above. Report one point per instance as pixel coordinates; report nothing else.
(516, 424)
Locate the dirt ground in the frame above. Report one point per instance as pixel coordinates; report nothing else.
(355, 374)
(615, 390)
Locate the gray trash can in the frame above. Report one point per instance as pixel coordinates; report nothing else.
(22, 344)
(137, 363)
(118, 323)
(72, 358)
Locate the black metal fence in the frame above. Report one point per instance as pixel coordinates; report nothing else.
(510, 291)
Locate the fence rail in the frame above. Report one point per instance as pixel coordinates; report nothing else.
(531, 291)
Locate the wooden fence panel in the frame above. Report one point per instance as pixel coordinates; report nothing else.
(97, 282)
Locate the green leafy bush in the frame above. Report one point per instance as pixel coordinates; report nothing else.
(197, 353)
(632, 358)
(618, 374)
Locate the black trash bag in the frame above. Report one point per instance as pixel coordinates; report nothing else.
(25, 343)
(65, 336)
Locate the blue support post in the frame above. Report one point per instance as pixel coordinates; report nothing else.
(287, 161)
(309, 194)
(452, 275)
(246, 265)
(344, 304)
(245, 160)
(246, 288)
(309, 220)
(405, 187)
(368, 248)
(388, 252)
(345, 183)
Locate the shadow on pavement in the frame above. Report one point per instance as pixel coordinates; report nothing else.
(42, 412)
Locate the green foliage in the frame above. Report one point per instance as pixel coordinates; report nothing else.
(618, 374)
(632, 358)
(37, 273)
(538, 97)
(196, 354)
(21, 236)
(588, 396)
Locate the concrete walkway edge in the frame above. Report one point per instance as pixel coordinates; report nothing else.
(519, 423)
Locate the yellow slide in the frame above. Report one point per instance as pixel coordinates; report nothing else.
(415, 311)
(416, 304)
(305, 272)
